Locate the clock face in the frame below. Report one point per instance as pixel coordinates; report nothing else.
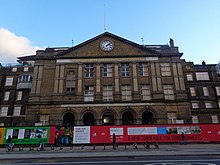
(106, 45)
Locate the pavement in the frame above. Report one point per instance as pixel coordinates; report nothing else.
(107, 151)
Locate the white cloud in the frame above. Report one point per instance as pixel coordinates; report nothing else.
(13, 46)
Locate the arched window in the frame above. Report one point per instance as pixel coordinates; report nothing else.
(70, 83)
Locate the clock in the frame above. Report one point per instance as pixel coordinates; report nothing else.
(106, 45)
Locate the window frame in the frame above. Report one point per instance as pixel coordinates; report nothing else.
(107, 93)
(89, 70)
(126, 93)
(89, 93)
(4, 111)
(107, 70)
(202, 76)
(125, 70)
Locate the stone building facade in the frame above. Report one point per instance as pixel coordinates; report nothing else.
(15, 86)
(203, 88)
(109, 80)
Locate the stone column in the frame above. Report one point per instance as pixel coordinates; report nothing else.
(136, 95)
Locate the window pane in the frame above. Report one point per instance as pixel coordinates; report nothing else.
(205, 91)
(89, 93)
(217, 91)
(19, 96)
(143, 70)
(6, 96)
(168, 92)
(165, 69)
(125, 72)
(192, 91)
(145, 92)
(195, 105)
(107, 93)
(4, 111)
(17, 111)
(126, 93)
(214, 119)
(107, 70)
(195, 120)
(189, 77)
(9, 81)
(202, 76)
(208, 105)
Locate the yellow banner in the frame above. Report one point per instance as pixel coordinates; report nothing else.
(2, 133)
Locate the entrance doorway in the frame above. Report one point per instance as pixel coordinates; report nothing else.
(148, 117)
(68, 119)
(88, 119)
(127, 118)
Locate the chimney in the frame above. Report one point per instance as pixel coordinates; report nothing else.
(171, 43)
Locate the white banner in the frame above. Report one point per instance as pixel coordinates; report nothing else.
(81, 135)
(116, 131)
(142, 131)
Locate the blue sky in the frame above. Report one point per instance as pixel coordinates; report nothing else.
(27, 25)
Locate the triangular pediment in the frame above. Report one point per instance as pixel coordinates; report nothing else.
(107, 45)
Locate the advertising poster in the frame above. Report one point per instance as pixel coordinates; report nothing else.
(81, 135)
(28, 135)
(2, 134)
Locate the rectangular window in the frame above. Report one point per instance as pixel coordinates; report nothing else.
(25, 78)
(9, 81)
(125, 71)
(165, 69)
(126, 93)
(195, 120)
(202, 76)
(14, 69)
(219, 104)
(6, 96)
(89, 70)
(195, 105)
(26, 68)
(89, 93)
(208, 105)
(171, 118)
(145, 92)
(17, 111)
(2, 124)
(189, 77)
(19, 95)
(168, 92)
(192, 91)
(107, 70)
(4, 111)
(215, 119)
(217, 91)
(44, 119)
(107, 93)
(205, 91)
(143, 70)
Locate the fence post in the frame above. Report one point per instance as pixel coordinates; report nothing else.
(104, 146)
(93, 146)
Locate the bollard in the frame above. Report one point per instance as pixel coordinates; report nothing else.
(93, 146)
(146, 145)
(104, 146)
(21, 148)
(82, 147)
(52, 147)
(135, 146)
(71, 147)
(156, 145)
(31, 148)
(125, 146)
(61, 147)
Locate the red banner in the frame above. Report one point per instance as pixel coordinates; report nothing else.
(156, 133)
